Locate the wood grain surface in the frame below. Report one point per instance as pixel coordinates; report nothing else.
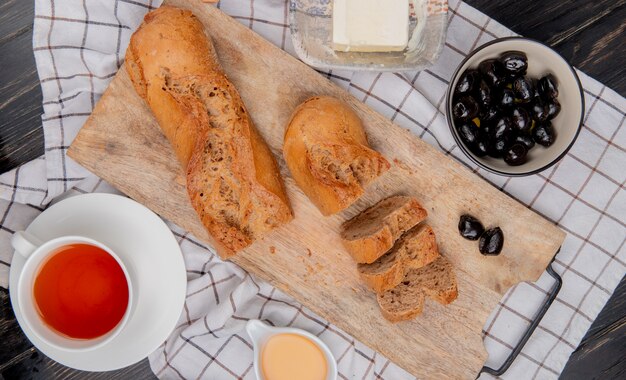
(21, 135)
(591, 35)
(122, 143)
(570, 30)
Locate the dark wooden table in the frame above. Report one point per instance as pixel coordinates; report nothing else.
(590, 34)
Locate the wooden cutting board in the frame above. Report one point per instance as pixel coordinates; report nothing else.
(122, 143)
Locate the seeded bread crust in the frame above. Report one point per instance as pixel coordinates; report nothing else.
(233, 180)
(436, 280)
(415, 249)
(328, 155)
(373, 232)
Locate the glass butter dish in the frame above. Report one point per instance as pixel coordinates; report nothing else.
(311, 23)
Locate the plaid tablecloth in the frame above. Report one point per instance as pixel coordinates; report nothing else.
(79, 45)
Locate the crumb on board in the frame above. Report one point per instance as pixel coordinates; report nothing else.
(308, 252)
(272, 249)
(403, 165)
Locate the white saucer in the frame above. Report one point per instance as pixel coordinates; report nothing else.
(151, 254)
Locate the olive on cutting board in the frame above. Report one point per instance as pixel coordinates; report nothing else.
(501, 111)
(491, 242)
(470, 227)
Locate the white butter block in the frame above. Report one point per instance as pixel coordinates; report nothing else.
(370, 25)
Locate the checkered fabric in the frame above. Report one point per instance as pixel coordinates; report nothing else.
(79, 45)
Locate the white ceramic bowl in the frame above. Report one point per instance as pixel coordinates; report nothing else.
(542, 60)
(261, 332)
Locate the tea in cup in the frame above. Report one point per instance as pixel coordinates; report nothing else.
(74, 292)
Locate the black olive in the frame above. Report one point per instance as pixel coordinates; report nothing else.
(527, 141)
(499, 147)
(480, 148)
(491, 242)
(468, 82)
(548, 87)
(468, 132)
(481, 145)
(520, 120)
(470, 227)
(489, 114)
(502, 129)
(539, 111)
(554, 107)
(524, 89)
(507, 98)
(484, 94)
(543, 134)
(492, 72)
(500, 135)
(516, 155)
(486, 133)
(536, 94)
(514, 62)
(465, 109)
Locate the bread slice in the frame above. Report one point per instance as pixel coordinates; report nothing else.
(401, 304)
(373, 232)
(413, 250)
(436, 280)
(328, 155)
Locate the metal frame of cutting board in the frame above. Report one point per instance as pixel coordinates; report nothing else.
(122, 143)
(531, 327)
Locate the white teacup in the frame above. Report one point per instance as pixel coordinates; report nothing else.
(36, 252)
